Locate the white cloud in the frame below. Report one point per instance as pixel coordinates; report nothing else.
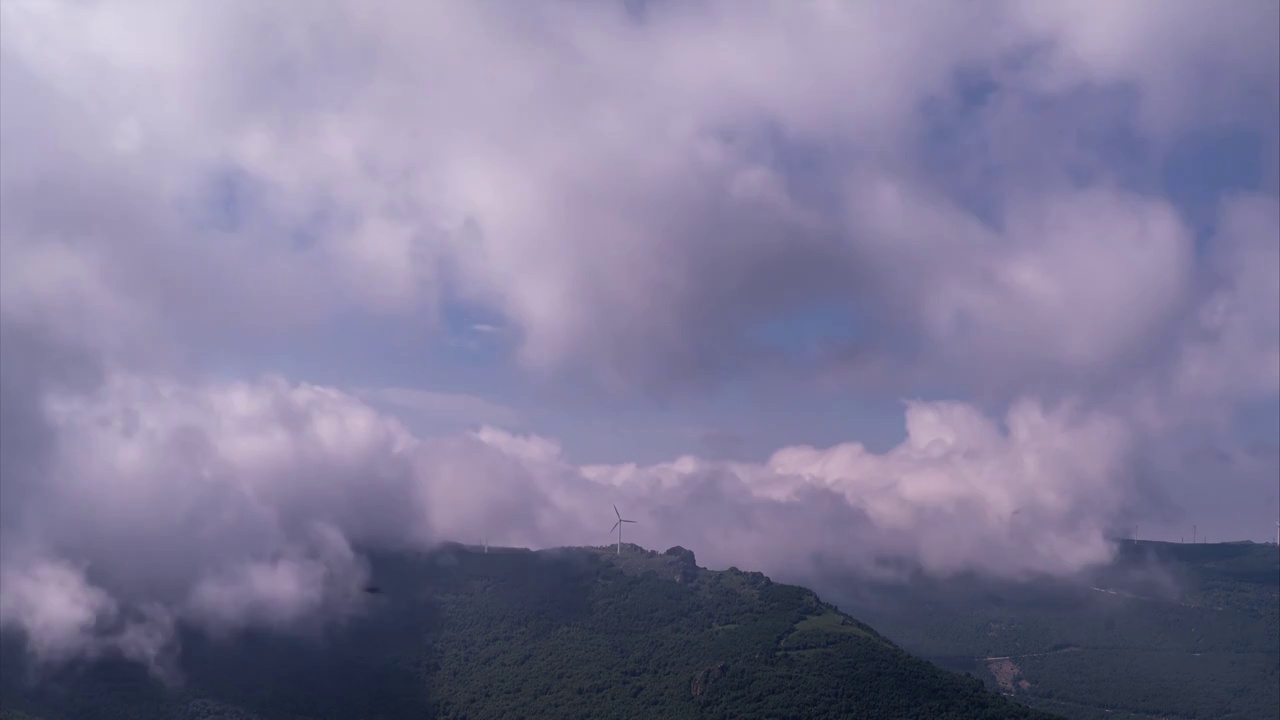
(1233, 348)
(53, 603)
(243, 504)
(1174, 53)
(229, 503)
(610, 210)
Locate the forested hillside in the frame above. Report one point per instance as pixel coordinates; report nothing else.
(575, 633)
(1167, 630)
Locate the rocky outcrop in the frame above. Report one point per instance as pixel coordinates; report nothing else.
(684, 567)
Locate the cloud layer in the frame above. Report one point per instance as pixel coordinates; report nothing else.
(633, 194)
(235, 504)
(634, 191)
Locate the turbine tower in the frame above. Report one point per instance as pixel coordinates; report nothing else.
(618, 526)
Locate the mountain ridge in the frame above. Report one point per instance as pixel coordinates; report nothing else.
(459, 632)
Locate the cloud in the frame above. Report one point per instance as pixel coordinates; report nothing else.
(224, 505)
(229, 505)
(634, 221)
(630, 195)
(51, 601)
(1069, 291)
(1232, 351)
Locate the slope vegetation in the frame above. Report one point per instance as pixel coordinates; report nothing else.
(575, 633)
(1167, 630)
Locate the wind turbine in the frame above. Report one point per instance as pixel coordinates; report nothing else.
(618, 526)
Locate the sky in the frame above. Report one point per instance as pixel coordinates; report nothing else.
(976, 286)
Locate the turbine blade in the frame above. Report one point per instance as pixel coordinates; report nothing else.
(630, 521)
(615, 512)
(615, 526)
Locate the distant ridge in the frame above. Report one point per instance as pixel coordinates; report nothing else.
(1167, 629)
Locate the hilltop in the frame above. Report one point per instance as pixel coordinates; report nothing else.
(1166, 630)
(568, 633)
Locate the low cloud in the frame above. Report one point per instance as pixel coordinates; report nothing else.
(230, 505)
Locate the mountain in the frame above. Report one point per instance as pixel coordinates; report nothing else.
(1167, 630)
(570, 633)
